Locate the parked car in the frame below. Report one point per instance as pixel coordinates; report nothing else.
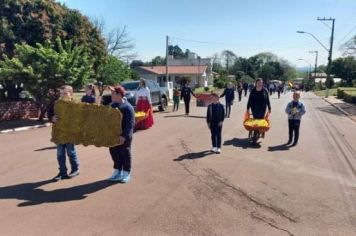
(159, 96)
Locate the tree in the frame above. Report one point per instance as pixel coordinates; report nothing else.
(176, 51)
(345, 68)
(47, 67)
(119, 44)
(35, 21)
(229, 58)
(135, 64)
(158, 61)
(115, 71)
(350, 47)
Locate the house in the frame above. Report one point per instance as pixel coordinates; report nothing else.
(197, 70)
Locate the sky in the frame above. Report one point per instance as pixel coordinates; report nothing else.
(244, 27)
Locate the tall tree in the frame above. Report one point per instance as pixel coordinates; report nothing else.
(176, 51)
(229, 58)
(35, 21)
(345, 68)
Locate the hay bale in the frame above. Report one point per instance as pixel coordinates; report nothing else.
(86, 124)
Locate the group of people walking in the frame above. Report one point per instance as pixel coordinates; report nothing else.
(258, 103)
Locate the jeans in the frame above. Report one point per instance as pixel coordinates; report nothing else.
(61, 157)
(293, 128)
(121, 155)
(176, 104)
(216, 135)
(228, 108)
(186, 103)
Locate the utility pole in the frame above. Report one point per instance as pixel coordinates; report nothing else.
(316, 65)
(167, 39)
(328, 78)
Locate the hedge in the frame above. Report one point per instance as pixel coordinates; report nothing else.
(347, 93)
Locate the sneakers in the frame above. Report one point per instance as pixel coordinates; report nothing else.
(125, 177)
(73, 173)
(116, 176)
(60, 177)
(216, 150)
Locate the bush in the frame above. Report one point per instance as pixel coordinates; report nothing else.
(347, 93)
(350, 96)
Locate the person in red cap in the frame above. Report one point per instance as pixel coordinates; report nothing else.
(121, 154)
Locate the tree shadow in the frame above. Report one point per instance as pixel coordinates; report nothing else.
(32, 195)
(174, 116)
(45, 148)
(281, 147)
(331, 110)
(242, 143)
(194, 155)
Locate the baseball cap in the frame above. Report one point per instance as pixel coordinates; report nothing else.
(118, 89)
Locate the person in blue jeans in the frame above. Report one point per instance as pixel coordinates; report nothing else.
(66, 93)
(214, 118)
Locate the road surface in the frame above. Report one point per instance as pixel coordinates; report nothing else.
(179, 188)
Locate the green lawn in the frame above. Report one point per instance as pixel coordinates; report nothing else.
(321, 93)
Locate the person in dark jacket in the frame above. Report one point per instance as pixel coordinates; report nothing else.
(185, 95)
(89, 96)
(258, 101)
(239, 90)
(245, 87)
(214, 119)
(121, 154)
(229, 94)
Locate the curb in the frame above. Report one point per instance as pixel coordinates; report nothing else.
(341, 110)
(25, 128)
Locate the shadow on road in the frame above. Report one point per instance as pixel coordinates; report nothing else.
(201, 117)
(174, 116)
(282, 147)
(32, 195)
(45, 148)
(243, 143)
(195, 155)
(330, 109)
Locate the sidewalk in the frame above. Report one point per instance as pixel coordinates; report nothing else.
(20, 125)
(347, 108)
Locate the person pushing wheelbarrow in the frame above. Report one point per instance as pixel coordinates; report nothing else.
(258, 102)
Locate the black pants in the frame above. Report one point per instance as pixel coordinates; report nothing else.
(240, 95)
(121, 156)
(279, 94)
(186, 103)
(216, 135)
(245, 90)
(228, 108)
(293, 128)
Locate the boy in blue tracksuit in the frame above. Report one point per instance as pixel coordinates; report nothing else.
(295, 110)
(215, 118)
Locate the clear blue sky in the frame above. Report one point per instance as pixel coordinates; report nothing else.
(245, 27)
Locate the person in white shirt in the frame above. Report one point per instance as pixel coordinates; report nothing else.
(144, 104)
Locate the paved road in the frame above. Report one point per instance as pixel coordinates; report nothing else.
(179, 188)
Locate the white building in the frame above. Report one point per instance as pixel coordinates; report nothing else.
(197, 70)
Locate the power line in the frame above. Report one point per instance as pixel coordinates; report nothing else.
(203, 42)
(341, 40)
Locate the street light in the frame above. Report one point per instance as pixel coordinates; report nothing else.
(328, 79)
(316, 63)
(301, 59)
